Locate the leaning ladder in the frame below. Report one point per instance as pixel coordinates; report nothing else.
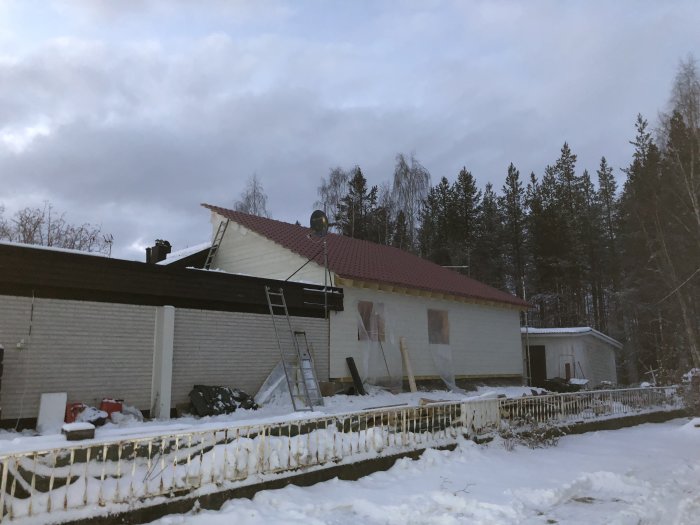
(296, 358)
(216, 243)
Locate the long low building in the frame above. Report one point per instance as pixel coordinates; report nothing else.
(96, 327)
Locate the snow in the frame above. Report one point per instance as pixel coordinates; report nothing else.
(572, 330)
(185, 252)
(578, 381)
(280, 409)
(71, 427)
(53, 249)
(646, 474)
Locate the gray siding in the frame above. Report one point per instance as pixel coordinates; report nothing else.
(233, 349)
(89, 350)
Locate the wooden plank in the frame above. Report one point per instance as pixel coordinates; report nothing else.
(356, 379)
(386, 406)
(407, 365)
(425, 401)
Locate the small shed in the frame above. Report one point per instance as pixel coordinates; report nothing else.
(569, 353)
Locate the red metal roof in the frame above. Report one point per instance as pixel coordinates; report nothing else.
(367, 261)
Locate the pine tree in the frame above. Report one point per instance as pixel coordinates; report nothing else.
(638, 207)
(488, 262)
(435, 229)
(400, 235)
(548, 244)
(512, 206)
(589, 234)
(462, 217)
(570, 206)
(355, 217)
(609, 247)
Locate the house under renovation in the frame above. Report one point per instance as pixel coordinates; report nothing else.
(580, 353)
(451, 327)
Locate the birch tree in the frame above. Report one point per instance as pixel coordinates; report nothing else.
(411, 185)
(253, 199)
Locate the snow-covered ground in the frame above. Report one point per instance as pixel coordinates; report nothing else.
(648, 474)
(276, 411)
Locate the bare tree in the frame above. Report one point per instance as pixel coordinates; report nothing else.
(331, 192)
(253, 199)
(411, 185)
(4, 226)
(46, 227)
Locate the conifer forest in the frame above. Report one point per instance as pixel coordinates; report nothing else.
(617, 251)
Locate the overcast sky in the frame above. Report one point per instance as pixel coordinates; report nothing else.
(130, 113)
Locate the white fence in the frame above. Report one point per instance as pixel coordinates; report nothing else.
(90, 479)
(577, 407)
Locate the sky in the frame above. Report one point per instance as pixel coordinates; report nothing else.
(128, 114)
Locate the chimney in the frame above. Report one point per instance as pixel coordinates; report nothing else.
(157, 252)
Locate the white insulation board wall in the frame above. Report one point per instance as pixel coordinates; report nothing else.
(88, 349)
(233, 349)
(484, 340)
(246, 252)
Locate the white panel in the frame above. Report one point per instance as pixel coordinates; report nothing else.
(52, 410)
(161, 388)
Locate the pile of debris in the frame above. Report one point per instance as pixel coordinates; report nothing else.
(114, 410)
(217, 400)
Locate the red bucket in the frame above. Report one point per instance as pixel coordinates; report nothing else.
(73, 410)
(111, 405)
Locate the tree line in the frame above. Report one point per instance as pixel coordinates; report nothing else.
(582, 251)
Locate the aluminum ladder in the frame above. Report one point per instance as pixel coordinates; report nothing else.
(296, 358)
(216, 243)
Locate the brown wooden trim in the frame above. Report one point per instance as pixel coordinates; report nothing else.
(27, 271)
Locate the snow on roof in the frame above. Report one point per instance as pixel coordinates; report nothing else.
(367, 261)
(573, 331)
(185, 252)
(52, 248)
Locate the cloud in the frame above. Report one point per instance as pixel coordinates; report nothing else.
(125, 116)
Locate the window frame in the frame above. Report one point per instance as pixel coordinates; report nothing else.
(365, 316)
(438, 326)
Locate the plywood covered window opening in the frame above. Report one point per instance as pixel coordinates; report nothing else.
(371, 326)
(438, 327)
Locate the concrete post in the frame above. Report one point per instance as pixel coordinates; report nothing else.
(161, 386)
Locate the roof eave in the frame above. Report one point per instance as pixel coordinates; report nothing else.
(432, 294)
(591, 331)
